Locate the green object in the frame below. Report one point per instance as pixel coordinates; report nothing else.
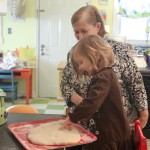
(3, 113)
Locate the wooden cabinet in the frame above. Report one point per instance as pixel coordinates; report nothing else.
(3, 7)
(60, 68)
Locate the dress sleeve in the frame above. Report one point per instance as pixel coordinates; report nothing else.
(97, 93)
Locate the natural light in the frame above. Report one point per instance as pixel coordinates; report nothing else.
(134, 29)
(133, 23)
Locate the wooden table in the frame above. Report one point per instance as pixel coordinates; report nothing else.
(27, 75)
(7, 139)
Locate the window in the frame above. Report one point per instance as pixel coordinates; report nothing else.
(133, 27)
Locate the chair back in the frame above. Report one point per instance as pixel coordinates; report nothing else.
(7, 84)
(139, 139)
(6, 74)
(22, 109)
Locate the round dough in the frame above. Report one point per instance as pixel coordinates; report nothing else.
(53, 133)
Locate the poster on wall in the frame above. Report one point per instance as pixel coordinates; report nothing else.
(104, 15)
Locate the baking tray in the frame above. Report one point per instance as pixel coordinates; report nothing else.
(20, 131)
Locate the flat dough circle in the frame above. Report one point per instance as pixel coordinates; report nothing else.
(53, 133)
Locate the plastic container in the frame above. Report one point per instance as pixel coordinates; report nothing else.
(139, 139)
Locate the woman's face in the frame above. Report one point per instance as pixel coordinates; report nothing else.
(82, 29)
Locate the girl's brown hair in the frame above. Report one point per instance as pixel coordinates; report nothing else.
(91, 46)
(91, 15)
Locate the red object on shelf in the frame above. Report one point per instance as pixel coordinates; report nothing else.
(21, 130)
(139, 139)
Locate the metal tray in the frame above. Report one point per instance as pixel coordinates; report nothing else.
(20, 131)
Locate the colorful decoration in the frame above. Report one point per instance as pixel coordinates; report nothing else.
(134, 8)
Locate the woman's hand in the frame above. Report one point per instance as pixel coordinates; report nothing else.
(132, 126)
(76, 99)
(143, 118)
(67, 123)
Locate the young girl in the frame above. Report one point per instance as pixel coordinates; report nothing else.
(103, 103)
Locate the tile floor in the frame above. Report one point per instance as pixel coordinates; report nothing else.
(44, 106)
(48, 106)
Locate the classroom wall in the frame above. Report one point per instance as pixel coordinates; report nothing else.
(24, 31)
(107, 7)
(23, 35)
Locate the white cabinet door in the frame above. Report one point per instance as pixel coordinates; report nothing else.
(56, 37)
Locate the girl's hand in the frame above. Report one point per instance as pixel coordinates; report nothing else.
(67, 123)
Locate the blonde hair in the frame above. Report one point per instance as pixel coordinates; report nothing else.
(91, 46)
(91, 15)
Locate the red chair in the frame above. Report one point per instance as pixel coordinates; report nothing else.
(139, 139)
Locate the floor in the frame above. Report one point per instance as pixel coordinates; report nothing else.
(44, 106)
(48, 106)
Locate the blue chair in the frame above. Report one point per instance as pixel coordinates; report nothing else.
(8, 85)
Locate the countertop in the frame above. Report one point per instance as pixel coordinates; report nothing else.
(145, 71)
(7, 139)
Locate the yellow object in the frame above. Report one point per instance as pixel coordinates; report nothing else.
(22, 109)
(27, 53)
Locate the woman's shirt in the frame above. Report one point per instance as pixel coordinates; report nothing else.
(130, 79)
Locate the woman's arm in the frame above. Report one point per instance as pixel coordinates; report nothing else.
(66, 84)
(143, 118)
(133, 80)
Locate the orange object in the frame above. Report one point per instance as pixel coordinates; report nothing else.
(139, 139)
(27, 75)
(16, 52)
(22, 109)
